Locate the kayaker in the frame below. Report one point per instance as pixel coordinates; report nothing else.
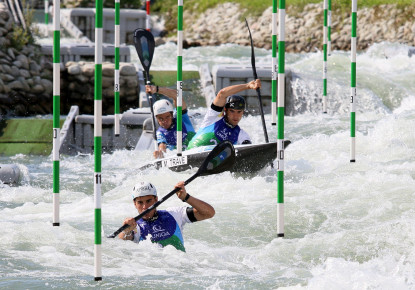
(167, 131)
(164, 226)
(222, 118)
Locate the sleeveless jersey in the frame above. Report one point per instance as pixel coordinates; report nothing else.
(169, 136)
(166, 229)
(214, 130)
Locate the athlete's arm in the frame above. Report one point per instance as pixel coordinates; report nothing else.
(201, 209)
(159, 153)
(170, 93)
(220, 99)
(128, 233)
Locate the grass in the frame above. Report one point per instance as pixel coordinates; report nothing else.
(169, 78)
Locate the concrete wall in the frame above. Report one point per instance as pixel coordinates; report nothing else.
(130, 19)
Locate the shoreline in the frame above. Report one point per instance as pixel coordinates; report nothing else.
(304, 31)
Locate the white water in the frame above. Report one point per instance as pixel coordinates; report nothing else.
(347, 226)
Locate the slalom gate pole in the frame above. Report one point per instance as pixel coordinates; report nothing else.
(353, 85)
(47, 14)
(98, 138)
(179, 76)
(281, 112)
(329, 29)
(148, 23)
(274, 67)
(56, 109)
(117, 115)
(325, 58)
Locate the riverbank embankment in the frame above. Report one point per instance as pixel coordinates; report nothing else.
(304, 30)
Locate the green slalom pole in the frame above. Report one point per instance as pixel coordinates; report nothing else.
(98, 137)
(329, 29)
(353, 85)
(179, 75)
(47, 13)
(281, 112)
(274, 66)
(325, 58)
(56, 109)
(117, 115)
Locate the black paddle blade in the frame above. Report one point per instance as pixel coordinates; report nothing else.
(144, 45)
(220, 159)
(252, 52)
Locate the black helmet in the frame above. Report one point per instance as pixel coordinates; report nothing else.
(235, 102)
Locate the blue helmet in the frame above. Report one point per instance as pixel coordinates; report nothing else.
(236, 102)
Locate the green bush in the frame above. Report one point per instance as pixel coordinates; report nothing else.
(20, 36)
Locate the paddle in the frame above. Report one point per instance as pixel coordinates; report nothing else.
(220, 159)
(258, 91)
(144, 45)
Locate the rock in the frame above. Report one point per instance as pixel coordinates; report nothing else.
(74, 69)
(23, 61)
(15, 85)
(24, 73)
(37, 89)
(48, 85)
(15, 71)
(7, 78)
(11, 53)
(127, 70)
(88, 69)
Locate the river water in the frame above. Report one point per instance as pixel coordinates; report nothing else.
(347, 225)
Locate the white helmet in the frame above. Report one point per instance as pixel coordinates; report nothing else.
(162, 106)
(143, 189)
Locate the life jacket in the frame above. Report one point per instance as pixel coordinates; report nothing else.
(164, 230)
(171, 133)
(215, 133)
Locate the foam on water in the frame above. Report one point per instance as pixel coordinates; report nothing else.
(347, 225)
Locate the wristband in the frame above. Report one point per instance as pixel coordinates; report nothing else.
(186, 198)
(157, 89)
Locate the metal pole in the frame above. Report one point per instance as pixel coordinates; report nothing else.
(353, 85)
(329, 29)
(274, 67)
(47, 15)
(56, 108)
(325, 58)
(97, 137)
(117, 115)
(281, 112)
(148, 23)
(179, 75)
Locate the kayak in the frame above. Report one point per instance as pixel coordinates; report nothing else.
(250, 158)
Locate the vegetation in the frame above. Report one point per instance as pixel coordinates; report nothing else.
(20, 36)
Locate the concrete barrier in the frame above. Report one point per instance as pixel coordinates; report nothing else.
(84, 20)
(86, 52)
(227, 75)
(79, 135)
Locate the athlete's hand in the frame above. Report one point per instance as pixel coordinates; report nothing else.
(256, 84)
(182, 192)
(150, 89)
(158, 154)
(131, 222)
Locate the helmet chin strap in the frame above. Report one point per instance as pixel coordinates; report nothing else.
(225, 118)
